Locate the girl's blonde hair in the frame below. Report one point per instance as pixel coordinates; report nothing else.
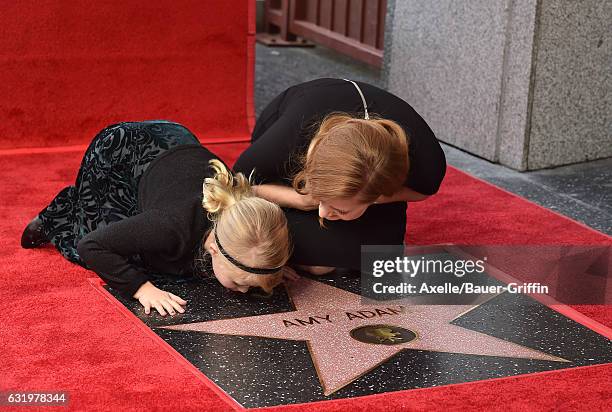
(248, 227)
(354, 157)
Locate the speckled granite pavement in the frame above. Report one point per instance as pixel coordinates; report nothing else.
(307, 342)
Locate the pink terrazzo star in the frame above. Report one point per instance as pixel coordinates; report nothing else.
(325, 316)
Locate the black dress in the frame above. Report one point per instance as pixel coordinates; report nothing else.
(135, 210)
(281, 136)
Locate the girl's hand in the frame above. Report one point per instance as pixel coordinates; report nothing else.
(290, 274)
(164, 302)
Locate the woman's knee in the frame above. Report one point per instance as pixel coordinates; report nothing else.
(316, 270)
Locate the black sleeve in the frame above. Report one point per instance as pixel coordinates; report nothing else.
(427, 162)
(274, 153)
(106, 250)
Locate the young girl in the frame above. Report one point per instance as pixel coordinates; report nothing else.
(149, 198)
(352, 151)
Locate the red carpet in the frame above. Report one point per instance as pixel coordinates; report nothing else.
(67, 68)
(65, 73)
(59, 333)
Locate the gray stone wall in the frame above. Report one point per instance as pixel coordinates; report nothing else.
(571, 117)
(525, 83)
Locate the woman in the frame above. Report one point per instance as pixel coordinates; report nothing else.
(354, 152)
(139, 208)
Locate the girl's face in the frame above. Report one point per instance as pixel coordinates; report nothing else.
(226, 273)
(342, 209)
(230, 276)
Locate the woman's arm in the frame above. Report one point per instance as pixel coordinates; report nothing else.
(285, 196)
(269, 157)
(405, 194)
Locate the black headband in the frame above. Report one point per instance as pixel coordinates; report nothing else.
(256, 271)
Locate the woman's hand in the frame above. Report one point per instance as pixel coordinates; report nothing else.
(165, 302)
(285, 196)
(290, 274)
(405, 194)
(306, 202)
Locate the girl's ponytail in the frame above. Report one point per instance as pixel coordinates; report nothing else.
(223, 190)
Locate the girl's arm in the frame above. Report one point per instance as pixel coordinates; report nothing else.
(106, 250)
(285, 196)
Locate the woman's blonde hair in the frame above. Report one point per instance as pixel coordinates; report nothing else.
(246, 226)
(350, 157)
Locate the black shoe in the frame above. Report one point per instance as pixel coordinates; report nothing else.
(33, 235)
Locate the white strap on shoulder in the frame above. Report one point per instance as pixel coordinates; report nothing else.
(365, 105)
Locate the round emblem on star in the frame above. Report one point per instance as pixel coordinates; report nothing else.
(383, 334)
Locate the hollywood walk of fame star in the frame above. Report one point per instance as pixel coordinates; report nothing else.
(327, 317)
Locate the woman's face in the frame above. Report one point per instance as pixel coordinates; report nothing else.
(342, 209)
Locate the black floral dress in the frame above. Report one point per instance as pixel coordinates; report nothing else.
(106, 188)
